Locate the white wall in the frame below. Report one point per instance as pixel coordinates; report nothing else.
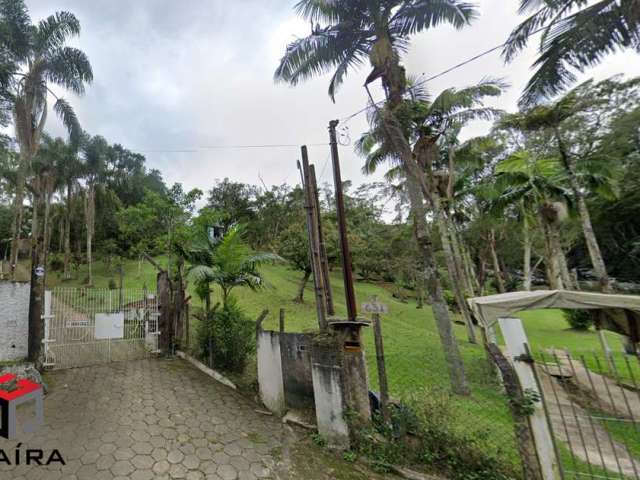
(14, 320)
(270, 372)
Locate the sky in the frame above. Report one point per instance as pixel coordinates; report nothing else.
(176, 80)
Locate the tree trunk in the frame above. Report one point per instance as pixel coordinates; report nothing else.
(89, 212)
(67, 233)
(16, 223)
(428, 275)
(394, 81)
(593, 247)
(496, 263)
(303, 283)
(459, 257)
(454, 274)
(526, 238)
(36, 296)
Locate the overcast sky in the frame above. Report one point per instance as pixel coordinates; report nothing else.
(183, 75)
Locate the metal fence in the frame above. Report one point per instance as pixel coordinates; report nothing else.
(593, 406)
(86, 326)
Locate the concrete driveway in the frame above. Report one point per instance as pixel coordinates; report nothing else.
(150, 419)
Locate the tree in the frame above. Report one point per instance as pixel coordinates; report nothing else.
(228, 263)
(344, 36)
(576, 35)
(42, 57)
(574, 125)
(432, 127)
(95, 150)
(294, 247)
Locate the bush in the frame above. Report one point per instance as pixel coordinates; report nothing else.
(112, 284)
(231, 335)
(578, 319)
(56, 263)
(426, 431)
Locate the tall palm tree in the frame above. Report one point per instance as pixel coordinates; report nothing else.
(434, 125)
(42, 58)
(577, 34)
(534, 187)
(347, 34)
(95, 151)
(594, 102)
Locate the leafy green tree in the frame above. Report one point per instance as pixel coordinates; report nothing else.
(577, 34)
(344, 36)
(234, 202)
(294, 247)
(42, 57)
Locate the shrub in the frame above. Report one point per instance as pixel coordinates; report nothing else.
(56, 263)
(426, 431)
(232, 336)
(578, 319)
(112, 284)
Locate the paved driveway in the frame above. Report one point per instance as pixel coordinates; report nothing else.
(150, 419)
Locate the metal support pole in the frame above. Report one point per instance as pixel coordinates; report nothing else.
(347, 274)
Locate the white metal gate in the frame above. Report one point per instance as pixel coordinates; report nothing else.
(87, 326)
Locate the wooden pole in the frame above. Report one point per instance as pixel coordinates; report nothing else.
(382, 369)
(282, 320)
(347, 274)
(314, 249)
(324, 261)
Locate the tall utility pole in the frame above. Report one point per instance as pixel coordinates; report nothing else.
(314, 243)
(347, 274)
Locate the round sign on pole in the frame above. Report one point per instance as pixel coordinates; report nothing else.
(39, 271)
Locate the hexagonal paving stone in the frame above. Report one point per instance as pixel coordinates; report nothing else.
(177, 471)
(227, 472)
(142, 475)
(143, 448)
(105, 462)
(161, 467)
(175, 456)
(122, 467)
(191, 462)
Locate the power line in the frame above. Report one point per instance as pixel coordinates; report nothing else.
(444, 72)
(229, 147)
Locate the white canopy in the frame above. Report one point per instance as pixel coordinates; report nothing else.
(620, 313)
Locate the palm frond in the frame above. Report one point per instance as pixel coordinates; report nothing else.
(328, 11)
(52, 32)
(418, 15)
(70, 68)
(68, 116)
(15, 28)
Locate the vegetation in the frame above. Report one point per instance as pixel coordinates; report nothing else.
(549, 198)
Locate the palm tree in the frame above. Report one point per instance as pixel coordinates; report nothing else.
(95, 151)
(589, 105)
(228, 263)
(42, 58)
(434, 127)
(345, 35)
(534, 187)
(577, 34)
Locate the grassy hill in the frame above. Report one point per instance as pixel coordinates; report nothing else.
(415, 364)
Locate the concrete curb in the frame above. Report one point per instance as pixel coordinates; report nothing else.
(218, 377)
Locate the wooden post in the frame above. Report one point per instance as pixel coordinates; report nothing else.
(347, 274)
(518, 347)
(324, 261)
(522, 426)
(314, 248)
(282, 320)
(382, 369)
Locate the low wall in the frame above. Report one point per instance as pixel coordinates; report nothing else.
(14, 320)
(270, 371)
(296, 370)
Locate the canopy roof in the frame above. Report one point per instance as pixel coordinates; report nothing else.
(619, 313)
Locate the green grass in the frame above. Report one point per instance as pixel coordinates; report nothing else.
(415, 364)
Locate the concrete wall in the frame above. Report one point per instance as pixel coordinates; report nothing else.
(14, 320)
(270, 371)
(296, 370)
(327, 385)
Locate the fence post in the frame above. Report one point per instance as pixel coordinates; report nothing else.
(518, 348)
